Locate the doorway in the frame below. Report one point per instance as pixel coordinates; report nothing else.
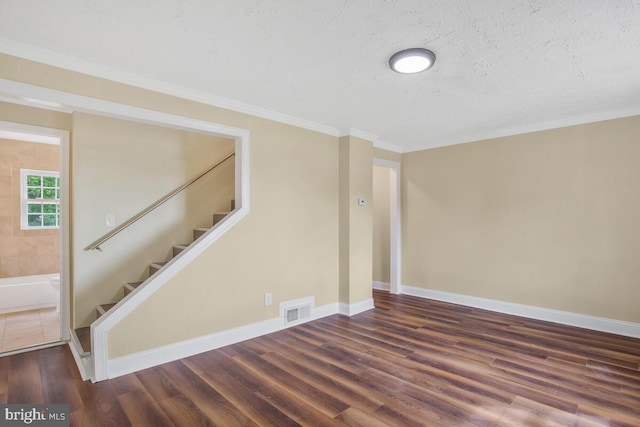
(386, 225)
(33, 246)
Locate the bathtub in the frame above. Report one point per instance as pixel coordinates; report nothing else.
(29, 292)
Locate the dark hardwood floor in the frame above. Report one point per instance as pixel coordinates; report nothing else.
(408, 362)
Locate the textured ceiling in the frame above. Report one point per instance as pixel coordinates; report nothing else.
(503, 66)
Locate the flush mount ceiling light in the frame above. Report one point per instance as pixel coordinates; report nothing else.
(410, 61)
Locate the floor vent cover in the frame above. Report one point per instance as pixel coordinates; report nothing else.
(296, 311)
(293, 314)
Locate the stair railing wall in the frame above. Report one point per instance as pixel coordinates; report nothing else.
(152, 207)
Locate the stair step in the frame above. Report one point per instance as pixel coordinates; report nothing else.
(179, 248)
(197, 232)
(103, 308)
(84, 338)
(219, 216)
(84, 334)
(154, 267)
(130, 287)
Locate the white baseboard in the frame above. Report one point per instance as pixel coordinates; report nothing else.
(603, 324)
(356, 308)
(84, 363)
(146, 359)
(324, 311)
(381, 286)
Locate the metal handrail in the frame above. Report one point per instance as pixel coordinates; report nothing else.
(136, 217)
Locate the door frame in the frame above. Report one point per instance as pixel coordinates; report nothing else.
(395, 249)
(65, 205)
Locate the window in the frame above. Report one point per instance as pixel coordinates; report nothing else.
(40, 199)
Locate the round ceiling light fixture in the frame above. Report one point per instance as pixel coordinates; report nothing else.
(411, 61)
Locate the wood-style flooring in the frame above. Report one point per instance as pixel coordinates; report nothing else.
(410, 361)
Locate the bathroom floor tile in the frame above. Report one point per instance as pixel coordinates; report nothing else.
(23, 341)
(27, 328)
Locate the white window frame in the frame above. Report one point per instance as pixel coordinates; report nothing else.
(24, 201)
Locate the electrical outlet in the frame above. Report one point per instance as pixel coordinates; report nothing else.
(267, 299)
(110, 220)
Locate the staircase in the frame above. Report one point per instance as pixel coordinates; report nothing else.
(83, 335)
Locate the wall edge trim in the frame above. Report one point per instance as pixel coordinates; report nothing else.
(130, 363)
(381, 286)
(356, 307)
(76, 65)
(528, 128)
(84, 364)
(601, 324)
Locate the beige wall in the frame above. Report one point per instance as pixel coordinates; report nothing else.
(22, 114)
(544, 219)
(381, 226)
(287, 245)
(25, 252)
(356, 244)
(547, 219)
(121, 167)
(380, 153)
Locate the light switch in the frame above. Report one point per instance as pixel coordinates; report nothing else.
(110, 220)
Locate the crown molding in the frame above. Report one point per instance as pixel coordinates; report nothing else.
(6, 132)
(44, 56)
(359, 134)
(389, 147)
(519, 130)
(373, 138)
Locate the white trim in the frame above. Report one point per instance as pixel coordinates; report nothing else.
(84, 363)
(49, 134)
(381, 286)
(602, 324)
(73, 64)
(537, 127)
(388, 146)
(65, 235)
(80, 103)
(356, 307)
(146, 359)
(101, 327)
(373, 138)
(44, 56)
(36, 103)
(28, 137)
(324, 311)
(360, 134)
(395, 226)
